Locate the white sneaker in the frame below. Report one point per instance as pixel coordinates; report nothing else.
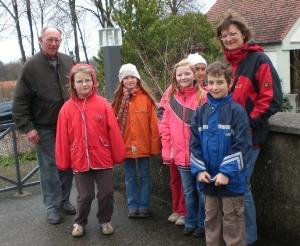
(180, 221)
(78, 230)
(107, 229)
(173, 217)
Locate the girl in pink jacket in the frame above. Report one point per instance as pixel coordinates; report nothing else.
(184, 97)
(89, 141)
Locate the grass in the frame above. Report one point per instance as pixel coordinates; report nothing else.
(23, 157)
(8, 168)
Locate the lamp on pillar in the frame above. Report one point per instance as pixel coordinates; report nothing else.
(111, 42)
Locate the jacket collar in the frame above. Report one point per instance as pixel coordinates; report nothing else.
(218, 102)
(237, 55)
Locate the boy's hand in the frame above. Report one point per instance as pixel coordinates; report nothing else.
(221, 179)
(204, 177)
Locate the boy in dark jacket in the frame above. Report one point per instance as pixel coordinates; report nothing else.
(220, 140)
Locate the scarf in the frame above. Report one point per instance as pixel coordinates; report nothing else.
(123, 111)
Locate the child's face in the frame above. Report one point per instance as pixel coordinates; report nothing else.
(184, 76)
(217, 86)
(83, 84)
(200, 71)
(130, 82)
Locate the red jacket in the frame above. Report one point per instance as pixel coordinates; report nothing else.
(88, 136)
(256, 87)
(175, 125)
(141, 134)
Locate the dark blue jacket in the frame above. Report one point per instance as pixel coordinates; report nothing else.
(220, 140)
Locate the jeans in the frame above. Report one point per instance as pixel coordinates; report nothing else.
(250, 210)
(195, 214)
(137, 181)
(56, 185)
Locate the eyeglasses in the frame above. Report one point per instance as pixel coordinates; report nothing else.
(81, 81)
(231, 34)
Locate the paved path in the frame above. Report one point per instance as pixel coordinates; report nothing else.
(23, 222)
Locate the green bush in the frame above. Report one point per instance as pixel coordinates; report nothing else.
(286, 105)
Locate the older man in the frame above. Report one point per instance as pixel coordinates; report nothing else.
(41, 90)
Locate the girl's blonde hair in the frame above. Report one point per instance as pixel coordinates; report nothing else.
(118, 94)
(85, 68)
(174, 88)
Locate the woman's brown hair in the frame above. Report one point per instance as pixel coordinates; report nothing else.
(230, 17)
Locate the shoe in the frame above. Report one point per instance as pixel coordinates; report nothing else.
(144, 213)
(53, 217)
(107, 229)
(188, 231)
(198, 232)
(132, 214)
(78, 230)
(180, 221)
(68, 208)
(173, 217)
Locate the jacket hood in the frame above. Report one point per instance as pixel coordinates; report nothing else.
(84, 68)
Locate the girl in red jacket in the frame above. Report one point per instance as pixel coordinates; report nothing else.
(184, 97)
(88, 140)
(135, 108)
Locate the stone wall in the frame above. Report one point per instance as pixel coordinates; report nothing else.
(276, 181)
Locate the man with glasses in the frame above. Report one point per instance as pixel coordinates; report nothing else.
(41, 90)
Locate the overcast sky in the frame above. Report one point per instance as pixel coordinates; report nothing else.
(10, 51)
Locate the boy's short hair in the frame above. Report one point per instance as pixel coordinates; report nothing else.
(219, 68)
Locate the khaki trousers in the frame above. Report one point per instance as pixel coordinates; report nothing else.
(224, 222)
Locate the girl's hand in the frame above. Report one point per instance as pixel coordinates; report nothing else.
(204, 177)
(221, 179)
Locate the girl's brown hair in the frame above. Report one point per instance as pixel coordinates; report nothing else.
(230, 17)
(118, 94)
(184, 63)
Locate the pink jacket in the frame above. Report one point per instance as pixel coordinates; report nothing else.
(175, 125)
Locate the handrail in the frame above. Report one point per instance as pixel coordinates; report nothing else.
(19, 183)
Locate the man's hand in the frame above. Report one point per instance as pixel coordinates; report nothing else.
(221, 179)
(33, 136)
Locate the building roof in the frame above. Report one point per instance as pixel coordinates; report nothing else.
(270, 20)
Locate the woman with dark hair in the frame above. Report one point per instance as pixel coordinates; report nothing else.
(256, 86)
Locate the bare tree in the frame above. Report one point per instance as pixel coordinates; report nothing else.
(14, 14)
(181, 6)
(29, 17)
(101, 11)
(74, 22)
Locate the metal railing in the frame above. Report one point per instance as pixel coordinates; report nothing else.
(20, 182)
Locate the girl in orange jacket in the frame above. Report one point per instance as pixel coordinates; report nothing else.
(135, 109)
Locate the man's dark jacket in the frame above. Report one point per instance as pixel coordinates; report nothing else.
(40, 92)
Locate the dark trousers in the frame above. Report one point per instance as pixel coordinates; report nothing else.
(86, 193)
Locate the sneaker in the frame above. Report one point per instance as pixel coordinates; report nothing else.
(173, 217)
(77, 231)
(107, 229)
(132, 214)
(68, 208)
(188, 231)
(53, 217)
(198, 232)
(180, 221)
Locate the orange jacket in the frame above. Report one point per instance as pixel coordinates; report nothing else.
(141, 134)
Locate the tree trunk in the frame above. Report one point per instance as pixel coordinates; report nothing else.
(18, 28)
(74, 26)
(29, 17)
